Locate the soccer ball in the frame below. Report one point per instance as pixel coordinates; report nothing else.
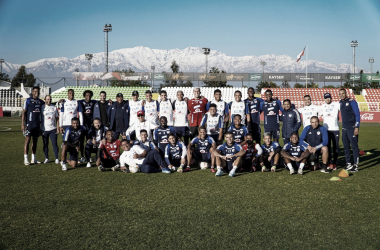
(133, 168)
(204, 165)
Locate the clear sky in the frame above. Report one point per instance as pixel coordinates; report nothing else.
(32, 30)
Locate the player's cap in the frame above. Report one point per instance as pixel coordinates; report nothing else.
(119, 95)
(327, 95)
(135, 93)
(140, 113)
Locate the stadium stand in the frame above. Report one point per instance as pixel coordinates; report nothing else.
(372, 97)
(111, 92)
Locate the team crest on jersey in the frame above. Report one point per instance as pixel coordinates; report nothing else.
(347, 104)
(274, 104)
(290, 115)
(318, 133)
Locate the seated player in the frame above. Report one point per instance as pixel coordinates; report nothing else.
(144, 142)
(72, 139)
(96, 133)
(294, 155)
(139, 125)
(139, 159)
(161, 135)
(238, 130)
(203, 152)
(175, 154)
(315, 139)
(108, 153)
(252, 154)
(213, 123)
(270, 156)
(230, 154)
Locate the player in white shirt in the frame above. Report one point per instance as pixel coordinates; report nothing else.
(139, 125)
(151, 108)
(181, 124)
(308, 111)
(135, 105)
(221, 107)
(330, 112)
(239, 107)
(214, 124)
(50, 128)
(166, 107)
(70, 108)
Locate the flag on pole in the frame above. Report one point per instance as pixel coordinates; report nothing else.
(301, 54)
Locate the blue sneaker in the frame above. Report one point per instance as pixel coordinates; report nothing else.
(232, 172)
(219, 173)
(166, 171)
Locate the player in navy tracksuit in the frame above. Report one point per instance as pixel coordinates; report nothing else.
(71, 143)
(119, 117)
(291, 121)
(161, 135)
(350, 129)
(254, 111)
(203, 152)
(271, 154)
(294, 155)
(95, 134)
(238, 130)
(271, 109)
(315, 139)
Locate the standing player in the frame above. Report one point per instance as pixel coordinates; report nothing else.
(271, 109)
(175, 154)
(254, 111)
(139, 125)
(50, 128)
(238, 130)
(119, 117)
(350, 129)
(291, 121)
(294, 155)
(108, 153)
(31, 123)
(181, 124)
(330, 113)
(161, 135)
(229, 153)
(88, 115)
(70, 108)
(151, 108)
(252, 153)
(95, 135)
(221, 108)
(271, 153)
(135, 105)
(213, 123)
(238, 107)
(315, 139)
(101, 109)
(203, 152)
(71, 143)
(309, 110)
(197, 108)
(166, 107)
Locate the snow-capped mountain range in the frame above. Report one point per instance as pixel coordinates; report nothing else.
(190, 59)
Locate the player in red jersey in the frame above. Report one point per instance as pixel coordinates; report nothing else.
(252, 153)
(108, 153)
(197, 108)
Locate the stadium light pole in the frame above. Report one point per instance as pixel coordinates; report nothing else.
(263, 63)
(1, 63)
(371, 60)
(88, 58)
(206, 52)
(152, 68)
(354, 44)
(107, 28)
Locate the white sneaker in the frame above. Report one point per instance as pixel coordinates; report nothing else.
(26, 162)
(88, 165)
(56, 161)
(46, 161)
(174, 168)
(35, 162)
(291, 171)
(115, 168)
(64, 168)
(300, 171)
(90, 160)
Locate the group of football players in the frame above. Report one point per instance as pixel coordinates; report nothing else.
(169, 135)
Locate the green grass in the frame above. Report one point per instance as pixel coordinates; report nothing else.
(43, 207)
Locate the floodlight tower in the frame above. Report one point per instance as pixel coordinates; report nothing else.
(371, 60)
(153, 68)
(206, 52)
(107, 28)
(1, 63)
(354, 44)
(263, 63)
(88, 58)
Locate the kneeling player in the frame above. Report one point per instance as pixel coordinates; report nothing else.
(252, 153)
(95, 134)
(229, 153)
(294, 155)
(71, 143)
(203, 152)
(270, 156)
(109, 153)
(175, 154)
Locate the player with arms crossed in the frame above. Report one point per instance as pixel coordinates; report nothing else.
(291, 121)
(294, 155)
(309, 110)
(197, 108)
(239, 107)
(101, 109)
(181, 124)
(271, 154)
(254, 111)
(88, 115)
(70, 108)
(214, 124)
(166, 108)
(271, 109)
(151, 108)
(119, 116)
(252, 153)
(221, 108)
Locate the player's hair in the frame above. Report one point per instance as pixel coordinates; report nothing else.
(148, 92)
(124, 140)
(250, 134)
(217, 91)
(202, 127)
(316, 117)
(229, 133)
(237, 115)
(251, 88)
(212, 105)
(143, 130)
(88, 91)
(171, 134)
(75, 119)
(36, 87)
(287, 100)
(47, 96)
(197, 88)
(342, 89)
(307, 96)
(163, 92)
(70, 90)
(164, 117)
(237, 91)
(103, 92)
(180, 91)
(268, 90)
(294, 133)
(109, 131)
(268, 134)
(97, 119)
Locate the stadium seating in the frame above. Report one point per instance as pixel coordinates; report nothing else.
(10, 98)
(372, 96)
(111, 92)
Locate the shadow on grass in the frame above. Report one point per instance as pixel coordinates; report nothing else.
(373, 159)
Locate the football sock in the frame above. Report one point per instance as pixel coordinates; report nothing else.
(289, 166)
(219, 167)
(234, 167)
(33, 157)
(182, 165)
(25, 157)
(302, 165)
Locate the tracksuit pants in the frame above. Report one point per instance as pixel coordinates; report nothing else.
(88, 150)
(45, 139)
(152, 162)
(350, 140)
(334, 140)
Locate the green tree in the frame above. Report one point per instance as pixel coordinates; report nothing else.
(330, 87)
(313, 85)
(265, 84)
(217, 84)
(23, 77)
(298, 85)
(4, 77)
(174, 83)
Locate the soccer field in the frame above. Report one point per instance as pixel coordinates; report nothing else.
(43, 207)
